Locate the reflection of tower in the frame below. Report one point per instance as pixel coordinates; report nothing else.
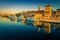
(47, 27)
(38, 29)
(38, 24)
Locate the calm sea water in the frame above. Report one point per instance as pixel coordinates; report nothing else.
(28, 30)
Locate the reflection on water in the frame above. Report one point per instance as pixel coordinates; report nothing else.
(57, 26)
(47, 27)
(27, 28)
(38, 24)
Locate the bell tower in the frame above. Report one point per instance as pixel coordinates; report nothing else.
(38, 8)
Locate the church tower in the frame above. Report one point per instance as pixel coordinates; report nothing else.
(38, 15)
(38, 8)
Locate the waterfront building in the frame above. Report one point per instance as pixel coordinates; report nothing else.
(47, 12)
(38, 15)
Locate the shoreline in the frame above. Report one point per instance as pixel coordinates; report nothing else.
(49, 21)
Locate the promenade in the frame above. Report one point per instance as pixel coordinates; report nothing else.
(49, 20)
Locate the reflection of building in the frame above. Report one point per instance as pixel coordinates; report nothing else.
(48, 11)
(23, 21)
(13, 18)
(47, 27)
(7, 19)
(38, 24)
(57, 26)
(14, 21)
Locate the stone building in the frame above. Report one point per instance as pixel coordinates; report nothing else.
(47, 12)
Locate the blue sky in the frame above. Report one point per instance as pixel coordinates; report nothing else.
(18, 5)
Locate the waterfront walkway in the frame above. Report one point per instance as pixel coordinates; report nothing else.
(49, 20)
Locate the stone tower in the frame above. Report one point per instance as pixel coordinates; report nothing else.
(48, 11)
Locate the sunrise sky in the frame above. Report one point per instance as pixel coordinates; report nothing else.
(24, 5)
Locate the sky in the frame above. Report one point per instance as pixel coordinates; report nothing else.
(24, 5)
